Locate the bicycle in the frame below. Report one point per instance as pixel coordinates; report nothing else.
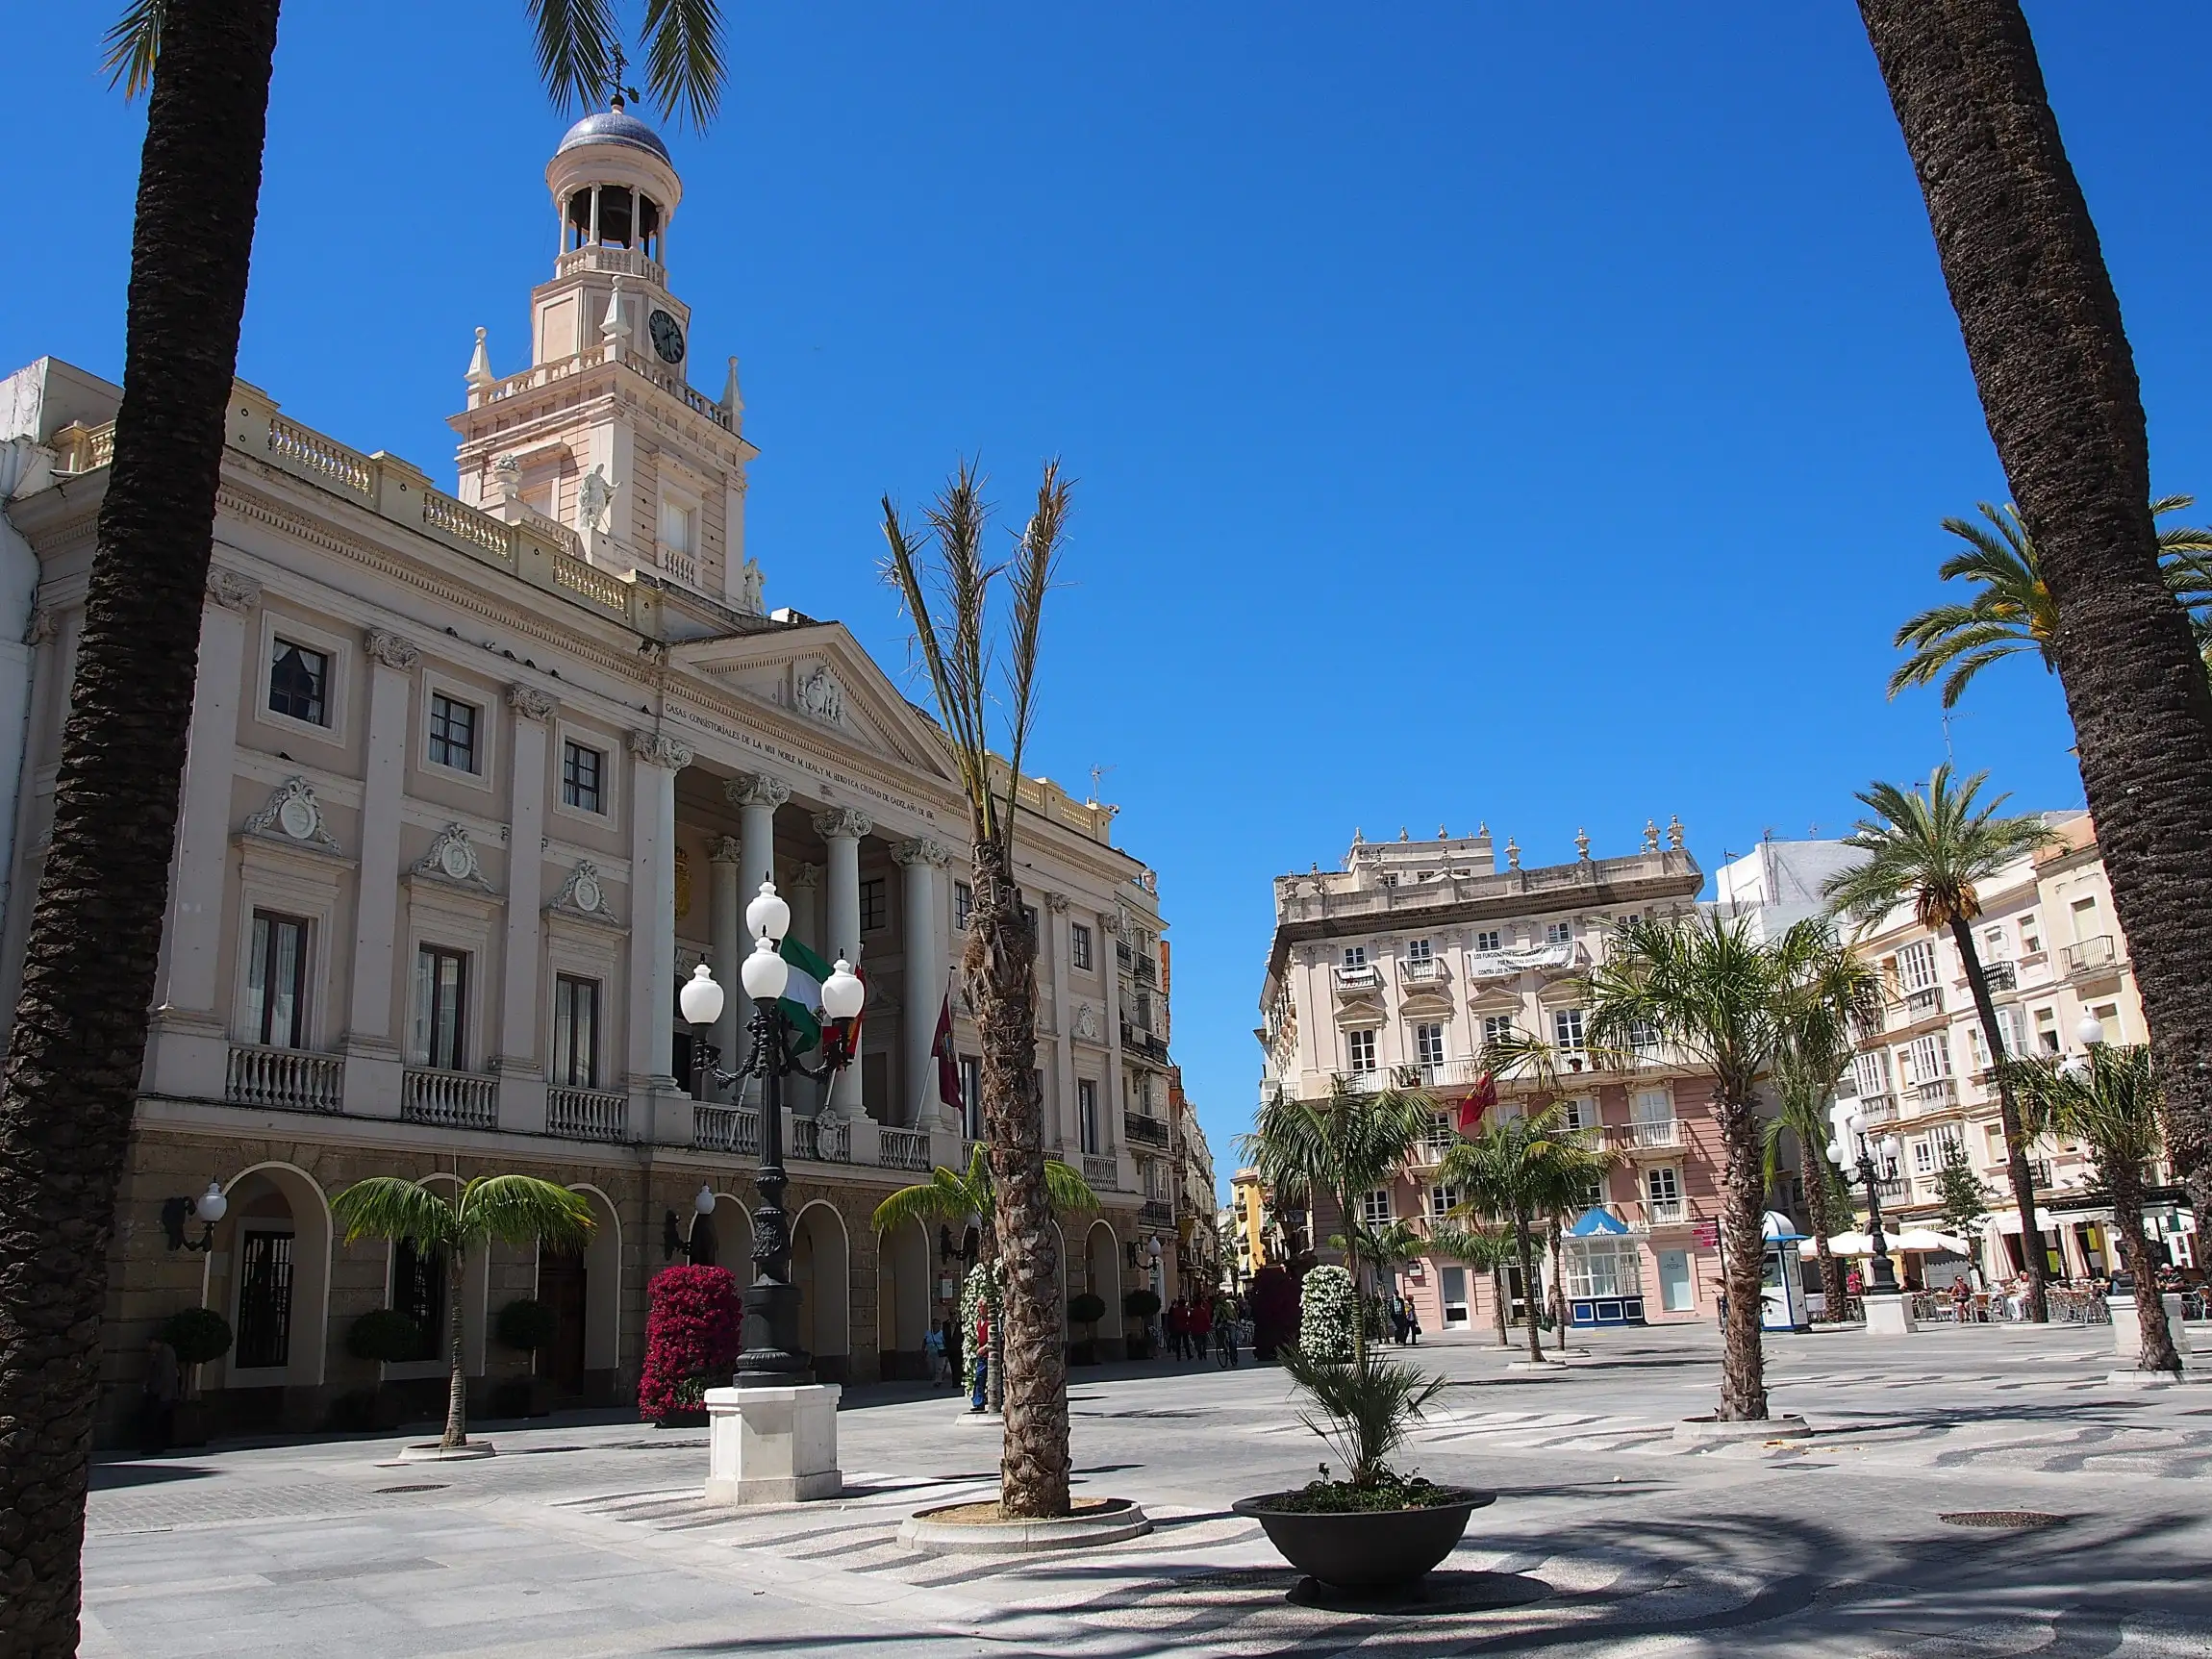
(1226, 1346)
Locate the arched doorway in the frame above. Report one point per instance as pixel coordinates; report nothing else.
(902, 1301)
(822, 1269)
(583, 1289)
(1103, 1264)
(268, 1275)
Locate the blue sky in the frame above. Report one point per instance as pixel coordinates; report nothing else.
(1535, 414)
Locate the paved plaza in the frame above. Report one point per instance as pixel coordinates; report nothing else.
(1609, 1537)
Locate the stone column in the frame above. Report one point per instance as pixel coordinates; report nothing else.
(522, 1049)
(725, 942)
(657, 758)
(1054, 944)
(921, 859)
(804, 894)
(841, 829)
(1111, 1132)
(756, 795)
(188, 1054)
(372, 1052)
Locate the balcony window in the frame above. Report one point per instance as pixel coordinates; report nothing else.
(1355, 956)
(299, 683)
(1497, 1028)
(1079, 945)
(1087, 1113)
(1442, 1200)
(963, 905)
(1917, 965)
(575, 1032)
(1487, 940)
(452, 733)
(1374, 1208)
(1931, 1057)
(1559, 933)
(1418, 950)
(1566, 1025)
(276, 981)
(1663, 1185)
(581, 769)
(440, 1007)
(1428, 1045)
(1360, 1050)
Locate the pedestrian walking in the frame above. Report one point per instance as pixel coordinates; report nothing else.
(1200, 1321)
(1178, 1330)
(979, 1399)
(933, 1347)
(1411, 1323)
(158, 1424)
(1398, 1321)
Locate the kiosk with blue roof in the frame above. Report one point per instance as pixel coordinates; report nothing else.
(1604, 1271)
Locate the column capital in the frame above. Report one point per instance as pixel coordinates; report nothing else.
(726, 849)
(921, 850)
(1056, 903)
(659, 750)
(529, 703)
(232, 590)
(755, 790)
(843, 822)
(389, 649)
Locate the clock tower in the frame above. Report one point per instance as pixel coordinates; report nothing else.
(604, 432)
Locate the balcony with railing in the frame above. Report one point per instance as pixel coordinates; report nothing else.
(1156, 1213)
(2091, 958)
(1102, 1171)
(1424, 970)
(586, 1115)
(2001, 975)
(1666, 1212)
(1146, 1131)
(903, 1149)
(1925, 1003)
(1138, 1042)
(1446, 1074)
(1878, 1108)
(1144, 971)
(1364, 980)
(1935, 1093)
(1650, 1135)
(732, 1129)
(449, 1099)
(284, 1079)
(821, 1140)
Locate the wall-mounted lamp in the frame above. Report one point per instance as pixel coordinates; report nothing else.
(207, 1209)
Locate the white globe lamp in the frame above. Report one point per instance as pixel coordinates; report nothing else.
(769, 916)
(704, 1203)
(210, 1206)
(842, 993)
(766, 973)
(2090, 1033)
(701, 999)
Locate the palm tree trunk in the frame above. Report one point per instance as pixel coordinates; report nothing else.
(2157, 1352)
(1001, 971)
(456, 1376)
(80, 1034)
(2023, 1179)
(1816, 1184)
(1743, 1361)
(1500, 1296)
(1524, 1239)
(2059, 391)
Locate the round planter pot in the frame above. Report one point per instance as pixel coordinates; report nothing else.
(1370, 1551)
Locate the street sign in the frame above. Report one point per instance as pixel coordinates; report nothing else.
(1708, 1235)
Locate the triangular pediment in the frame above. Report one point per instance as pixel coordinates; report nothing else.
(819, 676)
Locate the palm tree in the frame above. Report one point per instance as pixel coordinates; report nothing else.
(952, 1198)
(1933, 850)
(2014, 612)
(74, 1057)
(1484, 1249)
(2050, 357)
(998, 965)
(1509, 1171)
(508, 1209)
(1337, 1149)
(1836, 995)
(2110, 1103)
(1709, 991)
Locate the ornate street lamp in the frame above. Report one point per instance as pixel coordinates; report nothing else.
(673, 1244)
(771, 1355)
(1852, 1125)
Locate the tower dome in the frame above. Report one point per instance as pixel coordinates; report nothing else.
(613, 126)
(616, 190)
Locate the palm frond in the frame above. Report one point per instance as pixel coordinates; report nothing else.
(967, 737)
(684, 67)
(523, 1210)
(2111, 1106)
(1034, 566)
(576, 41)
(1932, 849)
(944, 1197)
(387, 1207)
(1366, 1409)
(133, 45)
(1067, 1190)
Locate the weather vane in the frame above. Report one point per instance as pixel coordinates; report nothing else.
(617, 92)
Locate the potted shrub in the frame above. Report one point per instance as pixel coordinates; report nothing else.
(389, 1338)
(528, 1327)
(196, 1336)
(1086, 1308)
(690, 1342)
(1141, 1305)
(1375, 1530)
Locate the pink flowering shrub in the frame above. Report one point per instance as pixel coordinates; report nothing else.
(690, 1335)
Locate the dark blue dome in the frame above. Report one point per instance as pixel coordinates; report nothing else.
(613, 127)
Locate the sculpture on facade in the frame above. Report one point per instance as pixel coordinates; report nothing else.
(749, 585)
(595, 500)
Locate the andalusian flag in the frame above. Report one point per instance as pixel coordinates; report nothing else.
(802, 998)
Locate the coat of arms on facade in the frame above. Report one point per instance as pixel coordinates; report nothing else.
(1087, 1022)
(451, 858)
(582, 895)
(292, 814)
(821, 695)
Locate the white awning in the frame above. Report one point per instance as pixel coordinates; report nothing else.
(2008, 1221)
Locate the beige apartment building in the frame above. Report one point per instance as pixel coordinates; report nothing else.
(2051, 945)
(1398, 967)
(476, 776)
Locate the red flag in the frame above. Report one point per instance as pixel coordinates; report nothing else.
(1476, 1103)
(947, 1067)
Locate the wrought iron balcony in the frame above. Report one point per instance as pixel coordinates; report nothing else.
(1156, 1213)
(2091, 957)
(2001, 975)
(1144, 1131)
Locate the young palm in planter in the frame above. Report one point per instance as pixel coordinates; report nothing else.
(1375, 1528)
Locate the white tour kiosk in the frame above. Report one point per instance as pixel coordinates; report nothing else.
(772, 1437)
(1781, 1280)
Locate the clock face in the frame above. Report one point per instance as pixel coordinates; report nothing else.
(667, 336)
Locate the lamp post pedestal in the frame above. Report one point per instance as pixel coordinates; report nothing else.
(1889, 1310)
(1889, 1313)
(771, 1444)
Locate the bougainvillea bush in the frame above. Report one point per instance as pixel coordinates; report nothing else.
(690, 1334)
(1327, 1308)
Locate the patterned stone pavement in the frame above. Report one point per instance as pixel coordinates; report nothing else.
(1609, 1537)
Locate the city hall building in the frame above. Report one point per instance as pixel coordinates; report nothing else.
(475, 778)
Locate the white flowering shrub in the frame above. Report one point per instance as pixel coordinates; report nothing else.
(1326, 1309)
(981, 1282)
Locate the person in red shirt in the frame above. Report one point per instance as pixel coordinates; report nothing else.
(980, 1398)
(1201, 1327)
